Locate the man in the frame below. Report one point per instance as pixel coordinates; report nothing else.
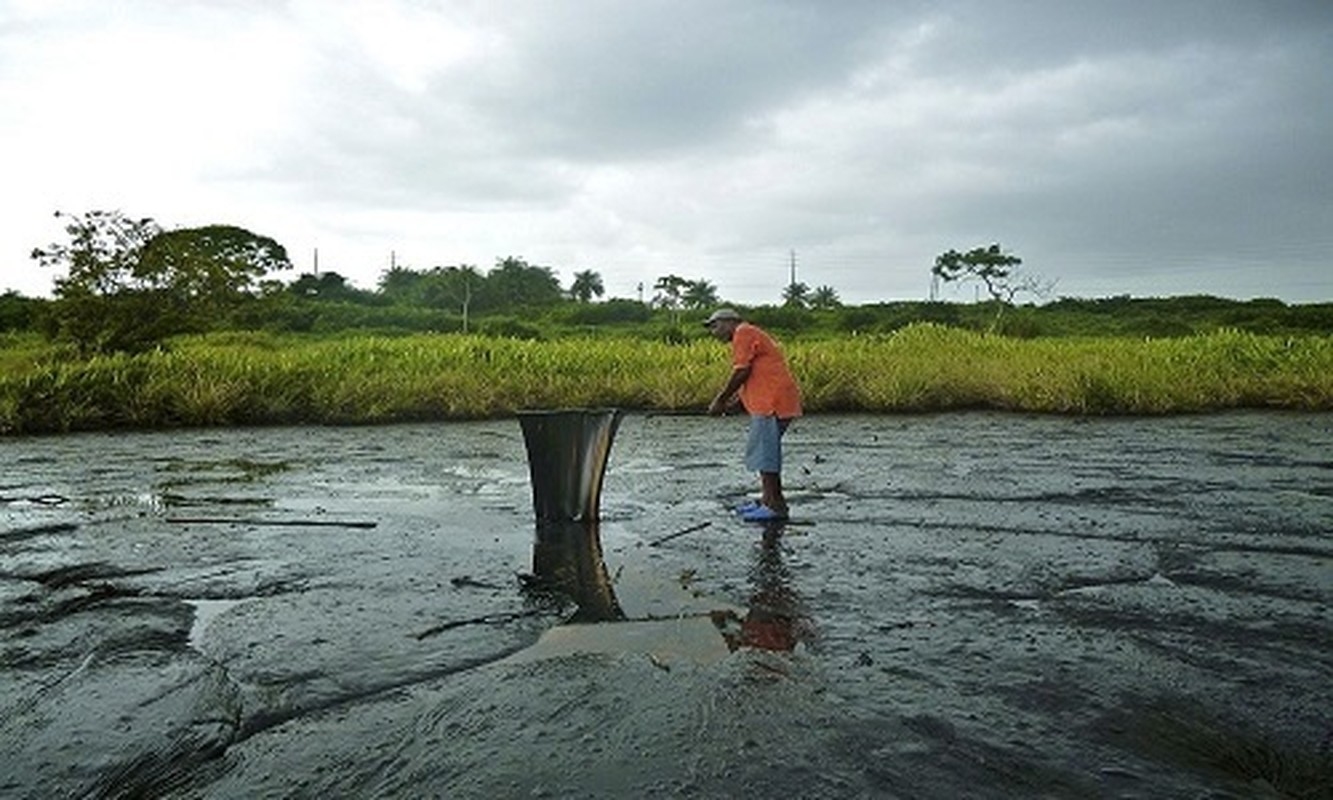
(767, 390)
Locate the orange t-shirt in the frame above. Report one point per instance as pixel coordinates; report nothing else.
(770, 389)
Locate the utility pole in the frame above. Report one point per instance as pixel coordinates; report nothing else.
(467, 299)
(793, 269)
(316, 262)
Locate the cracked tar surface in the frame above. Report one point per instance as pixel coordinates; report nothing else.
(963, 605)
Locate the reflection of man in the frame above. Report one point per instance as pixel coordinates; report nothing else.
(767, 390)
(775, 619)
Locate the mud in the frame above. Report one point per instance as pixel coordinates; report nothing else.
(975, 605)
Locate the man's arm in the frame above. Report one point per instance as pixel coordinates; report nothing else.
(724, 398)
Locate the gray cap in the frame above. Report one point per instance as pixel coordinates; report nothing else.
(721, 314)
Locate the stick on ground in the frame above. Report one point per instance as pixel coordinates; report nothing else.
(670, 536)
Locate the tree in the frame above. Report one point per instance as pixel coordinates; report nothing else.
(445, 288)
(796, 295)
(587, 284)
(990, 265)
(453, 288)
(518, 283)
(401, 285)
(129, 284)
(825, 298)
(699, 294)
(668, 290)
(327, 286)
(998, 270)
(669, 294)
(209, 266)
(101, 254)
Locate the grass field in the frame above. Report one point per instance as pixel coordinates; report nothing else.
(256, 378)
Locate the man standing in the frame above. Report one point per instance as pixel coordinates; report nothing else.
(767, 390)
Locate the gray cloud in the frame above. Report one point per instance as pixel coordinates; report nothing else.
(1137, 147)
(619, 81)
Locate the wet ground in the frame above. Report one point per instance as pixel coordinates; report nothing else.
(970, 605)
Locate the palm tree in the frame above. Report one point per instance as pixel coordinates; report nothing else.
(824, 298)
(587, 284)
(699, 294)
(796, 295)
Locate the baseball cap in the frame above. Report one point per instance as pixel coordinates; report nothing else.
(721, 314)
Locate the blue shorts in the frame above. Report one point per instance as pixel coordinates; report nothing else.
(763, 446)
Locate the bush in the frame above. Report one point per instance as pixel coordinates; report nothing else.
(126, 322)
(18, 313)
(781, 318)
(1159, 326)
(612, 311)
(510, 328)
(1023, 324)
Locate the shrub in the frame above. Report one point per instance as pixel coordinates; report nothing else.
(510, 328)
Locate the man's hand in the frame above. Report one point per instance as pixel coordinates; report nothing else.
(730, 397)
(724, 405)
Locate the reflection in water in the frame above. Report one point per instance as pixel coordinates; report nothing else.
(776, 618)
(567, 557)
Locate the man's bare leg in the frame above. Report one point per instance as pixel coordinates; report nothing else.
(771, 485)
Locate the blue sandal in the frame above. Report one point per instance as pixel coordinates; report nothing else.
(762, 514)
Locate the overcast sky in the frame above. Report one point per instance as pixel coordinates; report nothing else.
(1145, 148)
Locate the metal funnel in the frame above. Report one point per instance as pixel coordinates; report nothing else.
(567, 453)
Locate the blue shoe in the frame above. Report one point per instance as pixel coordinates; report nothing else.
(762, 514)
(748, 505)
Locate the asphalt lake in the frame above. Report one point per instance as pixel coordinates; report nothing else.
(963, 605)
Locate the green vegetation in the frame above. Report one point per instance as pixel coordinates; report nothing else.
(262, 378)
(336, 308)
(153, 328)
(129, 285)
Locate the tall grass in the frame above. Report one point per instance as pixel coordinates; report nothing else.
(929, 367)
(226, 379)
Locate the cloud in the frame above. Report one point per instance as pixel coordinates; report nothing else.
(1136, 147)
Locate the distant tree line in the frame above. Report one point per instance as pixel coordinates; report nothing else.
(130, 285)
